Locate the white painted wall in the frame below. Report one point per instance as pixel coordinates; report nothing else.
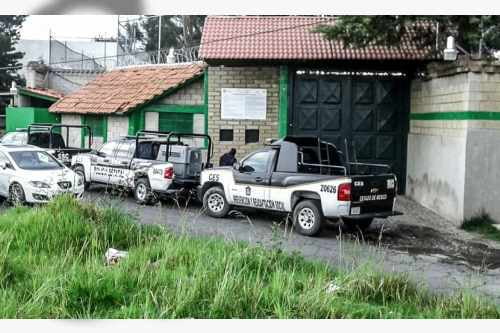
(482, 178)
(117, 127)
(151, 121)
(75, 136)
(436, 173)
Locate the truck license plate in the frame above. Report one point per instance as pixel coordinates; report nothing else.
(355, 210)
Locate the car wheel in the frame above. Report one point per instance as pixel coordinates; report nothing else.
(215, 203)
(80, 171)
(307, 218)
(16, 195)
(357, 224)
(142, 192)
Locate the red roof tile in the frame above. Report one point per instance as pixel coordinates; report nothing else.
(121, 90)
(287, 38)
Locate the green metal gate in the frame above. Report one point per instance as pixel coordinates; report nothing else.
(371, 112)
(175, 122)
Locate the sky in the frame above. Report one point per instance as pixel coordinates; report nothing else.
(69, 27)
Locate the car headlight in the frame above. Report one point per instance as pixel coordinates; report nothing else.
(39, 184)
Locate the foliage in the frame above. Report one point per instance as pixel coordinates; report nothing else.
(482, 224)
(52, 266)
(477, 34)
(10, 26)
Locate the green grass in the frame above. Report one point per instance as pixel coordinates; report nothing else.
(52, 266)
(483, 225)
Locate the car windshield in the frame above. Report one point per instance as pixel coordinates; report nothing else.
(35, 160)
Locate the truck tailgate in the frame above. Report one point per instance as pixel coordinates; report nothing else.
(372, 194)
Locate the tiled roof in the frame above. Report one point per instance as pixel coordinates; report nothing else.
(121, 90)
(287, 38)
(44, 92)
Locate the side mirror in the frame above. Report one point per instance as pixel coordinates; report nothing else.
(236, 166)
(3, 165)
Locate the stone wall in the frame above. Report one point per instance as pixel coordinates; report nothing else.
(454, 139)
(242, 77)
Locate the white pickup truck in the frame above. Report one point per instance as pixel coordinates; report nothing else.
(306, 177)
(151, 164)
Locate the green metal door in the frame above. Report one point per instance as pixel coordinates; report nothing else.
(175, 122)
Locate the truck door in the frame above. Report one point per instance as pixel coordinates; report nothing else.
(100, 170)
(252, 180)
(120, 164)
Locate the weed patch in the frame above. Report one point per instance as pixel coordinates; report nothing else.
(52, 266)
(482, 224)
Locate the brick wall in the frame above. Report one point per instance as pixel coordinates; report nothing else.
(242, 77)
(192, 94)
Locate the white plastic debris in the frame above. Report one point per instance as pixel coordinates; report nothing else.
(112, 256)
(331, 288)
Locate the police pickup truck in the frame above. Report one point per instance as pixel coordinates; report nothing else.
(306, 177)
(151, 164)
(53, 138)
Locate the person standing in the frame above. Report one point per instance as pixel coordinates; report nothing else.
(228, 159)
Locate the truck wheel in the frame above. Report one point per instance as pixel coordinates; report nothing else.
(357, 224)
(80, 171)
(142, 192)
(16, 195)
(215, 203)
(307, 218)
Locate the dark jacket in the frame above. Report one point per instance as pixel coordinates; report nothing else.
(227, 160)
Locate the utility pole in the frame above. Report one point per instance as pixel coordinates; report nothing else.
(159, 38)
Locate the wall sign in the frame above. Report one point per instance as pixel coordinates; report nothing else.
(247, 104)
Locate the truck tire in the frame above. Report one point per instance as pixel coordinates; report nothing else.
(307, 218)
(357, 224)
(215, 203)
(80, 171)
(142, 192)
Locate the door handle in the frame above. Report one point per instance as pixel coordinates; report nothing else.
(258, 179)
(106, 160)
(124, 162)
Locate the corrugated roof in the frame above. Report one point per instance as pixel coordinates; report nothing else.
(121, 90)
(287, 38)
(51, 93)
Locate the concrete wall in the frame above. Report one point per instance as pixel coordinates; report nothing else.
(453, 159)
(117, 127)
(242, 77)
(68, 81)
(436, 172)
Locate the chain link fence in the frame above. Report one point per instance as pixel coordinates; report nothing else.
(62, 56)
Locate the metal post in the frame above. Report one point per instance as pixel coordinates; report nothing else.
(50, 46)
(159, 38)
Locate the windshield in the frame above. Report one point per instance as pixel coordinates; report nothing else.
(35, 160)
(14, 138)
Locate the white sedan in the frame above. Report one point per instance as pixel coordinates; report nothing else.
(30, 174)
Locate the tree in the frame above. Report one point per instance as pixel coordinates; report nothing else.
(177, 31)
(479, 35)
(10, 26)
(130, 37)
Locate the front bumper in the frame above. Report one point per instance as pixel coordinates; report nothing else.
(43, 195)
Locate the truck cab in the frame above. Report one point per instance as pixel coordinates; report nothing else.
(305, 177)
